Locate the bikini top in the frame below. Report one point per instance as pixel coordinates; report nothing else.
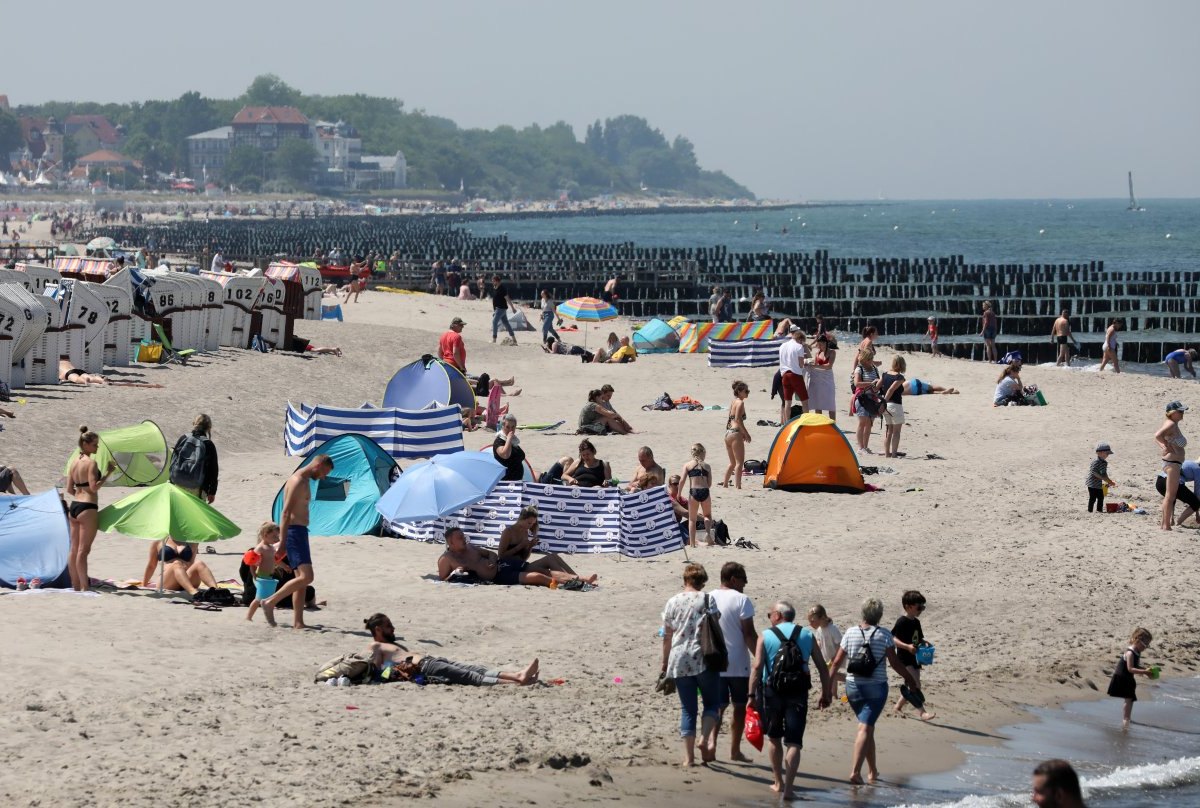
(698, 471)
(184, 554)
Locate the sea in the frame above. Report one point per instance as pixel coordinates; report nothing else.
(1155, 763)
(1163, 235)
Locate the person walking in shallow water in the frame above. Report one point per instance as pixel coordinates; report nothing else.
(1111, 348)
(1060, 334)
(988, 331)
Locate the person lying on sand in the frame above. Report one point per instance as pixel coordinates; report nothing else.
(11, 479)
(394, 663)
(464, 563)
(73, 375)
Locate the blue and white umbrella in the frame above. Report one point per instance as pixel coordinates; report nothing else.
(440, 486)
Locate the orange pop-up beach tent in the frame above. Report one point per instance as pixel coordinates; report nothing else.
(811, 454)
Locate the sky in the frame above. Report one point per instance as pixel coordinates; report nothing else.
(947, 99)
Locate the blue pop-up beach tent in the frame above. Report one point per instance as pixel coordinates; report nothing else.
(428, 381)
(656, 337)
(34, 540)
(343, 504)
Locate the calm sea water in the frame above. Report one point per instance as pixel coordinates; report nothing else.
(1010, 232)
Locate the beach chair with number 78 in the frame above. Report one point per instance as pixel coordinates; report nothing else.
(170, 354)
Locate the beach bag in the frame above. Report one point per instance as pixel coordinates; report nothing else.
(187, 462)
(753, 732)
(712, 641)
(789, 674)
(216, 596)
(870, 401)
(355, 666)
(863, 663)
(663, 402)
(722, 531)
(754, 467)
(149, 351)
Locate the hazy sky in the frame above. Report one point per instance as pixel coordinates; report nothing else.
(798, 100)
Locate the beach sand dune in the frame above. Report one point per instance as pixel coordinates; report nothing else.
(133, 699)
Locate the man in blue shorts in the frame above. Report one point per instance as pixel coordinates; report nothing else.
(293, 524)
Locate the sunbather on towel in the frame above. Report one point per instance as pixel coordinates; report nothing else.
(393, 662)
(73, 375)
(516, 547)
(464, 563)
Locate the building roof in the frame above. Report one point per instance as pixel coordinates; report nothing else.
(105, 131)
(253, 115)
(220, 133)
(106, 157)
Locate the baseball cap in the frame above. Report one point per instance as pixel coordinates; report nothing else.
(457, 321)
(794, 329)
(1103, 447)
(1176, 406)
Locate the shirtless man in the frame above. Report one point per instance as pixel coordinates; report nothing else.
(293, 525)
(1061, 334)
(393, 661)
(463, 559)
(649, 474)
(609, 295)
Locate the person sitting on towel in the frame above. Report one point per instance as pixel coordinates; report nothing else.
(467, 564)
(623, 354)
(11, 479)
(516, 546)
(392, 662)
(649, 474)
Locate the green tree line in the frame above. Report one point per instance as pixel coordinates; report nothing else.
(618, 155)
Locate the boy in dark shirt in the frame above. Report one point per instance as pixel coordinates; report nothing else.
(907, 636)
(1097, 478)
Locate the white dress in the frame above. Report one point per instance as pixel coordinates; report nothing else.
(822, 392)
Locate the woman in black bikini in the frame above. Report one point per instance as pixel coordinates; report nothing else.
(587, 471)
(736, 434)
(83, 485)
(183, 568)
(699, 477)
(1171, 443)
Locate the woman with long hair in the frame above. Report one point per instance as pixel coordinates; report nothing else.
(736, 434)
(83, 485)
(699, 478)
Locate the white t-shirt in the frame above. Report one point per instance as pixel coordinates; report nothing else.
(791, 356)
(735, 607)
(829, 639)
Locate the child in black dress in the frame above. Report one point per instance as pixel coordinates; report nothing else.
(1123, 685)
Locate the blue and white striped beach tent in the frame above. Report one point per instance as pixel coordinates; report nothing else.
(571, 520)
(403, 434)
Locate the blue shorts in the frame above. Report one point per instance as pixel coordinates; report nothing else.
(734, 690)
(297, 546)
(784, 718)
(265, 587)
(989, 333)
(867, 699)
(916, 387)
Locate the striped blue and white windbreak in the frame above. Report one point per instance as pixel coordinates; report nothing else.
(403, 434)
(744, 353)
(571, 520)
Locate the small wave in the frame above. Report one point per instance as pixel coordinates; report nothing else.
(976, 801)
(1178, 772)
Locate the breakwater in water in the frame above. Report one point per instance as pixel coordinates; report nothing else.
(896, 294)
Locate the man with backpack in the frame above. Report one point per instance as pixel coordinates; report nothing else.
(194, 461)
(781, 679)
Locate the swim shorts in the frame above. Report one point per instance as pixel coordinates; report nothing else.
(264, 587)
(297, 546)
(508, 571)
(793, 384)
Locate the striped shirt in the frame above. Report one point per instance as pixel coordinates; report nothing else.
(1097, 472)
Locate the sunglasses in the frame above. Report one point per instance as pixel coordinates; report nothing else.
(920, 607)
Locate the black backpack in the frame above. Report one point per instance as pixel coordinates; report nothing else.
(188, 461)
(722, 533)
(789, 674)
(863, 663)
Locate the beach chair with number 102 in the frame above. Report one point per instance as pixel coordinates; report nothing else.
(171, 354)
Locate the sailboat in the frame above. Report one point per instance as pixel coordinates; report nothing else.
(1133, 203)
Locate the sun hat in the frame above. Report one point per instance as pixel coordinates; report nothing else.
(1176, 406)
(794, 329)
(1103, 447)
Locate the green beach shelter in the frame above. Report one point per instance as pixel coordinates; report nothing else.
(140, 452)
(166, 510)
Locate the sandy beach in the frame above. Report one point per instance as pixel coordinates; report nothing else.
(133, 699)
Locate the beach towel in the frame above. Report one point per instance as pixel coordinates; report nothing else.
(493, 407)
